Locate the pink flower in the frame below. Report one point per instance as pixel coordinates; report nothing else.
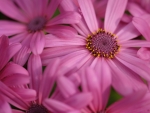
(44, 83)
(130, 104)
(109, 49)
(34, 19)
(12, 76)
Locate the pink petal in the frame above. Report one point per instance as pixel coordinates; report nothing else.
(10, 28)
(144, 53)
(4, 106)
(90, 83)
(124, 80)
(135, 9)
(53, 5)
(69, 17)
(13, 49)
(135, 43)
(4, 44)
(104, 74)
(67, 5)
(56, 106)
(22, 56)
(18, 38)
(135, 64)
(79, 101)
(16, 79)
(17, 111)
(128, 32)
(65, 32)
(9, 9)
(26, 94)
(66, 86)
(114, 13)
(12, 97)
(11, 69)
(58, 51)
(48, 80)
(53, 41)
(122, 105)
(37, 43)
(142, 26)
(89, 14)
(35, 71)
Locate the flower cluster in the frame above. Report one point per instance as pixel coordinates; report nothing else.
(68, 56)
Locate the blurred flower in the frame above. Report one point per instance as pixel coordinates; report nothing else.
(34, 19)
(111, 50)
(48, 99)
(101, 90)
(12, 76)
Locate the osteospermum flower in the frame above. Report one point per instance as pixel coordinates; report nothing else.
(105, 48)
(34, 19)
(91, 83)
(12, 76)
(47, 99)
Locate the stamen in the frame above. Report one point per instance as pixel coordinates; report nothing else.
(102, 44)
(36, 24)
(37, 109)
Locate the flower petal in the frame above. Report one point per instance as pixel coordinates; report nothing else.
(4, 106)
(114, 13)
(12, 97)
(56, 106)
(8, 8)
(79, 101)
(69, 17)
(37, 43)
(142, 26)
(128, 32)
(11, 28)
(88, 12)
(35, 71)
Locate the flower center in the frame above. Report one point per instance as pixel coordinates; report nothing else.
(37, 109)
(102, 44)
(36, 24)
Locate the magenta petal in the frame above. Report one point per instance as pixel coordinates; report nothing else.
(124, 80)
(66, 86)
(26, 94)
(48, 80)
(9, 9)
(136, 43)
(135, 64)
(53, 5)
(114, 13)
(144, 53)
(10, 28)
(12, 97)
(4, 106)
(128, 32)
(37, 43)
(16, 79)
(12, 69)
(22, 56)
(65, 32)
(142, 26)
(135, 9)
(56, 106)
(69, 17)
(128, 101)
(17, 111)
(79, 101)
(53, 41)
(89, 14)
(35, 71)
